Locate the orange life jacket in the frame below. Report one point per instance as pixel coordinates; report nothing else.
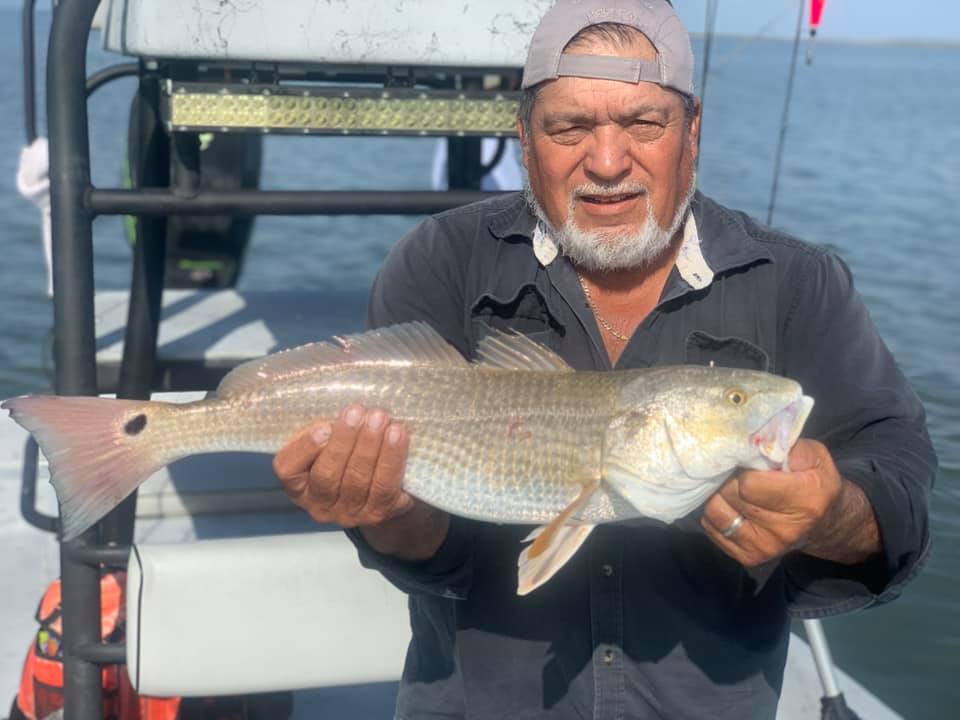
(41, 685)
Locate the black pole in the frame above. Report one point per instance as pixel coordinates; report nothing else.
(786, 116)
(109, 74)
(29, 71)
(74, 343)
(146, 287)
(28, 490)
(464, 163)
(279, 202)
(486, 168)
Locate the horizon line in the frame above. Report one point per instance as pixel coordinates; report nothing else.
(890, 41)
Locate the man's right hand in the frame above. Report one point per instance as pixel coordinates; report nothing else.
(350, 474)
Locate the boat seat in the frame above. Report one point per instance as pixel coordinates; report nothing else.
(489, 34)
(204, 333)
(239, 616)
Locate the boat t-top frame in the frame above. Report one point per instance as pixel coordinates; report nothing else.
(187, 97)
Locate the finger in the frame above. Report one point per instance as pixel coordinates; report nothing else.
(326, 473)
(812, 473)
(806, 455)
(292, 462)
(719, 515)
(744, 545)
(358, 473)
(727, 545)
(771, 490)
(386, 498)
(731, 492)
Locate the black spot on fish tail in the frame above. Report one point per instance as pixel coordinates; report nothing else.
(135, 425)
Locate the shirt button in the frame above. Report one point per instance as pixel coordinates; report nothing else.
(608, 657)
(606, 570)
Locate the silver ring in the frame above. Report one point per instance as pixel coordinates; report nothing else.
(734, 526)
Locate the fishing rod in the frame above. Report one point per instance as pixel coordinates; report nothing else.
(709, 32)
(710, 25)
(786, 115)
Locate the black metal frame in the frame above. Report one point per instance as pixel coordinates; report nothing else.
(29, 70)
(278, 202)
(74, 205)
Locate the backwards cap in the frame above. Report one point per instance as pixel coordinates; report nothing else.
(656, 19)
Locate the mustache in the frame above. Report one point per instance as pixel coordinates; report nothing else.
(621, 188)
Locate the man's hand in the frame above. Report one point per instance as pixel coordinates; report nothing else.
(350, 474)
(811, 509)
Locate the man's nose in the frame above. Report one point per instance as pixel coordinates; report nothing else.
(608, 158)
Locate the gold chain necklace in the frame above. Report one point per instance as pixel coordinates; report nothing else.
(603, 323)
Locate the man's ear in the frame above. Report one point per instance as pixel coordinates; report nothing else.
(521, 133)
(693, 131)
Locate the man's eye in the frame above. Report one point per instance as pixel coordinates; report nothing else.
(646, 129)
(570, 133)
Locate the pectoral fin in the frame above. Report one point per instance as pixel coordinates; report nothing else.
(553, 544)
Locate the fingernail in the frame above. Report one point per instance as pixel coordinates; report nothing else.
(321, 434)
(353, 416)
(376, 419)
(394, 434)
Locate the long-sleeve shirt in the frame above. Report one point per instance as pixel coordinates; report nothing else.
(650, 620)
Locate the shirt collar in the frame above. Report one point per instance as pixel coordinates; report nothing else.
(692, 266)
(715, 239)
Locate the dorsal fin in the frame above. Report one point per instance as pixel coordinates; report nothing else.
(407, 344)
(514, 351)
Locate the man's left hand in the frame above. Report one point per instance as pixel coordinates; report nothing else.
(810, 508)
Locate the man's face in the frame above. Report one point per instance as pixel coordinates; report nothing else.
(608, 156)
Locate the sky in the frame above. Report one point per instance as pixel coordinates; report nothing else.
(843, 19)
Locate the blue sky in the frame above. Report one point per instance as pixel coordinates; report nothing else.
(843, 19)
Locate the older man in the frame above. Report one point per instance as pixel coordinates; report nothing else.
(611, 259)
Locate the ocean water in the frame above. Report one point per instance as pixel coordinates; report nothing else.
(871, 169)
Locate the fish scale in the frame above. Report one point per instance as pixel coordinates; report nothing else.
(485, 443)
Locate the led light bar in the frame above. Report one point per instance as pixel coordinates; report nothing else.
(336, 111)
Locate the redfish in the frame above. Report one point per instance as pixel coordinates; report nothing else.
(516, 436)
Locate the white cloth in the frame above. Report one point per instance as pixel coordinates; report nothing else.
(33, 182)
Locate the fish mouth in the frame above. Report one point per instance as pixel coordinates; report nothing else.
(778, 435)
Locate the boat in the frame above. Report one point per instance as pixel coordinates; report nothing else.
(230, 589)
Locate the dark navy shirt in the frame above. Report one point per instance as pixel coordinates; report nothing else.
(649, 620)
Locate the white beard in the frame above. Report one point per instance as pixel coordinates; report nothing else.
(611, 250)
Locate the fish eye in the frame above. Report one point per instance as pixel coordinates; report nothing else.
(736, 396)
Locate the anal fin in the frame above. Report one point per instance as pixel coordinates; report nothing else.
(553, 544)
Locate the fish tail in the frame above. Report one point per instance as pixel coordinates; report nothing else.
(99, 451)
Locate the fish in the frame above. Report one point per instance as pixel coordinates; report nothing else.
(514, 436)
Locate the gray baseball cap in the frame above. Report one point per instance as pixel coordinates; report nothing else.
(656, 19)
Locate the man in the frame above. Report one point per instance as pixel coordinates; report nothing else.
(612, 260)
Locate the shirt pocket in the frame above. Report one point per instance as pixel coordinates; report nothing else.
(525, 312)
(702, 348)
